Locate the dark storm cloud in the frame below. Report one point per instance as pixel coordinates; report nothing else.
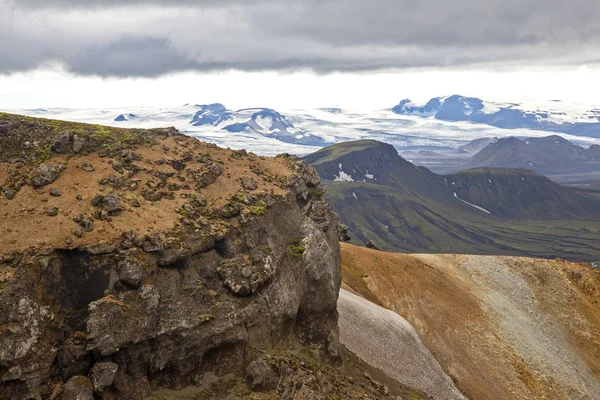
(149, 38)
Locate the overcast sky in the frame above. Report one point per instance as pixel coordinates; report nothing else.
(295, 53)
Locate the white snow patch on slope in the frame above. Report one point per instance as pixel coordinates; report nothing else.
(265, 123)
(343, 177)
(370, 176)
(472, 205)
(389, 342)
(354, 194)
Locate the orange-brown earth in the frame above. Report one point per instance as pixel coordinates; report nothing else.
(24, 222)
(501, 327)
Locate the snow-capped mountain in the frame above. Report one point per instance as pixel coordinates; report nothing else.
(270, 123)
(269, 132)
(211, 114)
(124, 117)
(553, 117)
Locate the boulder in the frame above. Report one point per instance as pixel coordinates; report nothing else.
(62, 144)
(79, 142)
(46, 173)
(103, 375)
(111, 203)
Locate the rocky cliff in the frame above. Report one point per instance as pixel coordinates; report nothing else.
(138, 261)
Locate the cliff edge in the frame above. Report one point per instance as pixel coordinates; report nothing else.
(139, 261)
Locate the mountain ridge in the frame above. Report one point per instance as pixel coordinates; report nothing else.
(457, 108)
(409, 208)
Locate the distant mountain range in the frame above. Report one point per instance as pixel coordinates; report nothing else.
(263, 121)
(547, 155)
(456, 108)
(402, 207)
(268, 131)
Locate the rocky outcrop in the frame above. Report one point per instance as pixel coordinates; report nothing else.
(121, 317)
(132, 325)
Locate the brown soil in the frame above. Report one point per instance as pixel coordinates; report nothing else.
(501, 327)
(27, 226)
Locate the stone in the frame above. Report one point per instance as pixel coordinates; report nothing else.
(69, 241)
(249, 183)
(230, 210)
(54, 192)
(78, 232)
(343, 233)
(62, 144)
(372, 245)
(111, 203)
(52, 212)
(9, 193)
(46, 173)
(260, 376)
(154, 196)
(87, 224)
(97, 200)
(131, 273)
(103, 375)
(78, 388)
(87, 167)
(153, 243)
(78, 143)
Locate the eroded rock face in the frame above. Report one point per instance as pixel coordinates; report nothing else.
(152, 313)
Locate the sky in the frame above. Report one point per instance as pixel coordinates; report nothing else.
(289, 54)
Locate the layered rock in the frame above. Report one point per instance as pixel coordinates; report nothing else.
(189, 291)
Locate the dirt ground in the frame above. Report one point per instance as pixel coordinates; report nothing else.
(501, 327)
(24, 223)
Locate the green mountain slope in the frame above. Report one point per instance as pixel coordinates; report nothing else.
(384, 198)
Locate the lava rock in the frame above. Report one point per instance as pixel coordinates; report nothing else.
(62, 144)
(78, 143)
(52, 212)
(103, 375)
(78, 232)
(111, 203)
(9, 193)
(87, 224)
(54, 192)
(131, 273)
(46, 173)
(87, 167)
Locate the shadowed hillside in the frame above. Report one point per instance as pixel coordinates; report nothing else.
(402, 207)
